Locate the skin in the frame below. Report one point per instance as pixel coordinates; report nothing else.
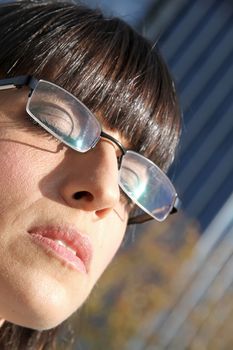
(38, 179)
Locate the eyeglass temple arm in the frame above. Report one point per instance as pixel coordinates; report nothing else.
(22, 80)
(176, 206)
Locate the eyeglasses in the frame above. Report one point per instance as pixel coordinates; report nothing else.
(70, 121)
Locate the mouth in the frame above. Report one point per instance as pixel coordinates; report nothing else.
(66, 243)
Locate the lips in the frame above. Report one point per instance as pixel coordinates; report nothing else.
(66, 243)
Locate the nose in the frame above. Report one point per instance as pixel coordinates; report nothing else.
(91, 179)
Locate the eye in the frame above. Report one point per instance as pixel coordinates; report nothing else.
(129, 178)
(33, 125)
(54, 117)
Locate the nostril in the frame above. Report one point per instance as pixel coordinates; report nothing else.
(83, 194)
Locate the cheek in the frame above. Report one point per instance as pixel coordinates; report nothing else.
(15, 163)
(108, 242)
(17, 174)
(22, 167)
(111, 233)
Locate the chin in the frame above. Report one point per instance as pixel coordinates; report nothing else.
(43, 297)
(42, 324)
(41, 313)
(39, 321)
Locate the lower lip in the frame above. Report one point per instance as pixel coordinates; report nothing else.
(60, 252)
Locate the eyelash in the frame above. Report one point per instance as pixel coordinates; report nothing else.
(41, 129)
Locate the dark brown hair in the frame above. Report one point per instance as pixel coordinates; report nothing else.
(116, 72)
(104, 62)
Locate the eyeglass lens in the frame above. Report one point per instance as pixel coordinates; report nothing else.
(66, 118)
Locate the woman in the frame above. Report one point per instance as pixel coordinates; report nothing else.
(86, 105)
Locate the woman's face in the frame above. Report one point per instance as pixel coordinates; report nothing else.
(61, 218)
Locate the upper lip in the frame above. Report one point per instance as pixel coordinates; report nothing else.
(71, 237)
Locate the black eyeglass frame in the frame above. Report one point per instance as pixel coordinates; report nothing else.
(31, 82)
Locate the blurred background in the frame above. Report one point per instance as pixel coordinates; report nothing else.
(171, 285)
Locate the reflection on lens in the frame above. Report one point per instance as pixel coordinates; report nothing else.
(153, 191)
(139, 190)
(64, 116)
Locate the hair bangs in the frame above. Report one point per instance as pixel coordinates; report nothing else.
(129, 86)
(107, 65)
